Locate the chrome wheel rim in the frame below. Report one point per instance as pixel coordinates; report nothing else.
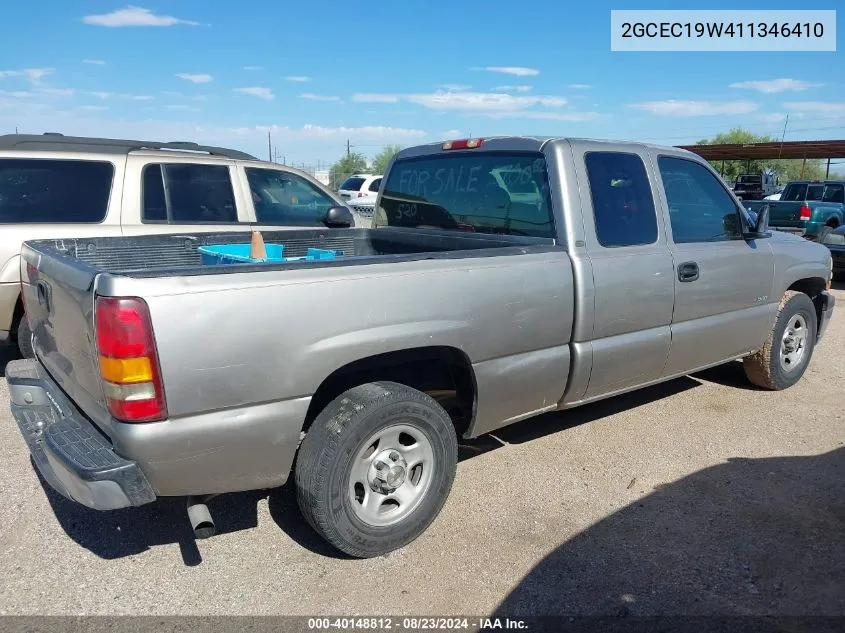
(793, 344)
(390, 475)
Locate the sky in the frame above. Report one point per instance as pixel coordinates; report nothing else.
(319, 74)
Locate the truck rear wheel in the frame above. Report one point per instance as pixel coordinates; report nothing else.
(782, 360)
(24, 338)
(376, 467)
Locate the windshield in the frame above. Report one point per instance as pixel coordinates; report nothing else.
(492, 192)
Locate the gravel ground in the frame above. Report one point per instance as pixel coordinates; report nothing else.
(702, 495)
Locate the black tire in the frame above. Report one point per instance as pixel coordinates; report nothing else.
(24, 338)
(763, 368)
(334, 440)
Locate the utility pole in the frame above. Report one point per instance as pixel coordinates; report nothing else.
(347, 148)
(269, 147)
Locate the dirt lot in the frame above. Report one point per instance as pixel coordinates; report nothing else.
(702, 496)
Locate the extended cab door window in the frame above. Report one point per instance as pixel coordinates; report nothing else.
(187, 193)
(623, 206)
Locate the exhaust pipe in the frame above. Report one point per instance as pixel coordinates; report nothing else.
(201, 522)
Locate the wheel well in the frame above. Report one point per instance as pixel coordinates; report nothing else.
(832, 222)
(445, 373)
(813, 288)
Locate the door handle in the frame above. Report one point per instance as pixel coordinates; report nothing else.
(688, 271)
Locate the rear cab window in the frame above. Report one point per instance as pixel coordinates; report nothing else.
(483, 192)
(54, 191)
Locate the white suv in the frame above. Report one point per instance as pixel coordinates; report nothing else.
(59, 186)
(359, 192)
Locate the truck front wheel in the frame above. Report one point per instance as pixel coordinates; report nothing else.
(375, 468)
(784, 357)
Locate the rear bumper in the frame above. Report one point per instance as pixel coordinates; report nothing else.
(825, 307)
(68, 450)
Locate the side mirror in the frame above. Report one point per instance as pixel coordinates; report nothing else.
(339, 218)
(762, 223)
(760, 228)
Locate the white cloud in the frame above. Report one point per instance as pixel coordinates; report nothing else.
(94, 62)
(373, 97)
(199, 78)
(252, 67)
(818, 107)
(297, 78)
(573, 116)
(101, 95)
(482, 101)
(257, 91)
(519, 71)
(312, 97)
(774, 117)
(455, 87)
(182, 107)
(513, 88)
(134, 16)
(93, 108)
(131, 97)
(681, 108)
(32, 75)
(35, 75)
(579, 86)
(775, 85)
(365, 133)
(57, 92)
(452, 134)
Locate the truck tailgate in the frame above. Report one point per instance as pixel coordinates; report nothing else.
(59, 303)
(785, 214)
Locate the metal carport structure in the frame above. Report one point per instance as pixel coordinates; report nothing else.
(801, 150)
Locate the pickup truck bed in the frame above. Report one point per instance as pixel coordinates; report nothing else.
(168, 255)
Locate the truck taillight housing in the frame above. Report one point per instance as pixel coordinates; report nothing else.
(805, 213)
(128, 359)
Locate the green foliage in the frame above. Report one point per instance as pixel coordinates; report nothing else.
(786, 170)
(383, 158)
(353, 163)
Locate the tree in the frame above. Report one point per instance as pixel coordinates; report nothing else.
(383, 158)
(352, 163)
(786, 170)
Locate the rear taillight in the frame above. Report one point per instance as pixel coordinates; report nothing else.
(128, 359)
(804, 213)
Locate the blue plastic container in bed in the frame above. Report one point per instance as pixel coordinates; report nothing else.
(220, 254)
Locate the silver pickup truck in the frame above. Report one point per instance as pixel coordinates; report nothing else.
(503, 278)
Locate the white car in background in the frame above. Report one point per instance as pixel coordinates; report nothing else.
(359, 192)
